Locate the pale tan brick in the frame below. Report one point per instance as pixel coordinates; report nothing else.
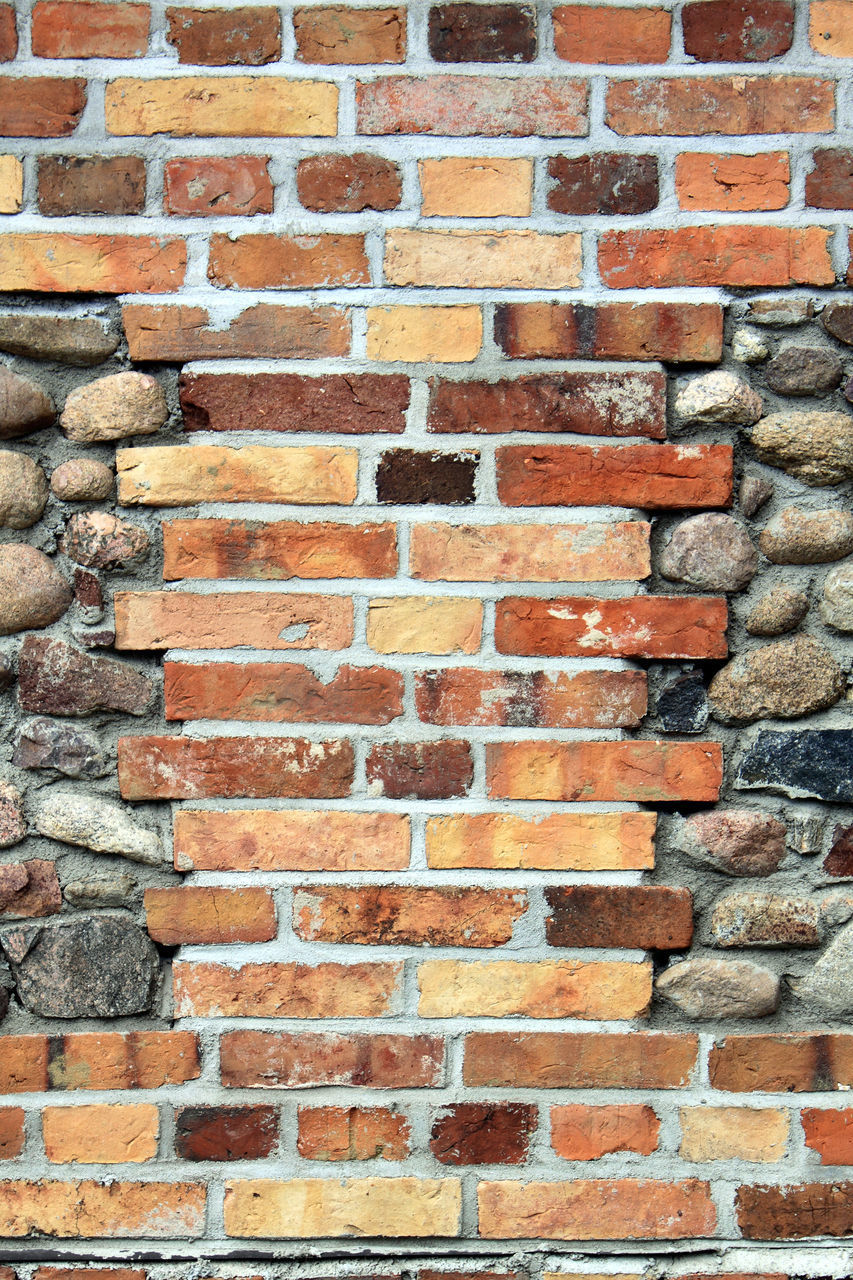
(424, 624)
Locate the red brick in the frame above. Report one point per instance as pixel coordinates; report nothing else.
(610, 771)
(217, 186)
(469, 106)
(782, 1063)
(40, 106)
(483, 1133)
(286, 990)
(734, 183)
(290, 840)
(393, 914)
(89, 1210)
(482, 33)
(530, 553)
(247, 37)
(348, 184)
(91, 184)
(100, 1060)
(636, 627)
(715, 256)
(11, 1132)
(623, 36)
(677, 332)
(579, 1060)
(287, 262)
(344, 404)
(830, 1133)
(80, 29)
(581, 1132)
(8, 33)
(737, 30)
(604, 183)
(830, 183)
(651, 917)
(194, 913)
(225, 1133)
(313, 1059)
(340, 36)
(419, 770)
(596, 1210)
(285, 549)
(687, 105)
(795, 1212)
(179, 333)
(352, 1133)
(531, 699)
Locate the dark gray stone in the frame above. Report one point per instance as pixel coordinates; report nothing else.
(682, 706)
(68, 339)
(804, 371)
(7, 672)
(812, 764)
(47, 744)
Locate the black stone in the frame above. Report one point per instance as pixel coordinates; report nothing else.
(813, 763)
(804, 371)
(682, 706)
(47, 744)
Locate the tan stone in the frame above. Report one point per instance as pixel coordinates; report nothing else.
(538, 989)
(23, 490)
(223, 107)
(733, 1133)
(164, 477)
(101, 1134)
(476, 187)
(424, 624)
(307, 1207)
(431, 334)
(483, 259)
(11, 184)
(111, 408)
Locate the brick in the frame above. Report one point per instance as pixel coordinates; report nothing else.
(187, 333)
(312, 1059)
(345, 404)
(225, 1133)
(737, 30)
(830, 183)
(555, 842)
(613, 771)
(101, 1134)
(105, 1060)
(113, 1210)
(63, 262)
(715, 256)
(682, 106)
(829, 1133)
(733, 184)
(733, 1133)
(476, 187)
(651, 917)
(348, 184)
(484, 259)
(40, 106)
(678, 332)
(8, 33)
(11, 184)
(263, 620)
(579, 1060)
(424, 624)
(88, 1273)
(531, 699)
(394, 914)
(341, 36)
(530, 552)
(604, 183)
(282, 990)
(290, 840)
(482, 33)
(432, 334)
(581, 1132)
(248, 37)
(609, 1209)
(91, 184)
(234, 107)
(277, 551)
(600, 34)
(782, 1063)
(636, 627)
(352, 1133)
(589, 403)
(599, 989)
(472, 106)
(287, 262)
(483, 1133)
(184, 914)
(217, 186)
(795, 1212)
(163, 477)
(305, 1208)
(830, 32)
(78, 29)
(419, 770)
(408, 476)
(11, 1133)
(29, 890)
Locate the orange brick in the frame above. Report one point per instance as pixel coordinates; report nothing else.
(782, 1063)
(280, 550)
(580, 1060)
(309, 1207)
(101, 1060)
(733, 1133)
(284, 990)
(11, 1132)
(224, 37)
(547, 699)
(530, 553)
(11, 184)
(187, 333)
(40, 106)
(287, 262)
(424, 624)
(340, 36)
(534, 989)
(556, 842)
(260, 619)
(476, 187)
(290, 840)
(483, 259)
(283, 1060)
(599, 1210)
(8, 36)
(383, 914)
(193, 913)
(433, 334)
(705, 180)
(113, 1210)
(101, 1134)
(831, 27)
(586, 1133)
(830, 1133)
(352, 1133)
(687, 105)
(215, 186)
(608, 771)
(55, 263)
(715, 256)
(623, 36)
(216, 107)
(674, 331)
(165, 477)
(79, 29)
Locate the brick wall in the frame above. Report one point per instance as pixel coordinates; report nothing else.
(425, 600)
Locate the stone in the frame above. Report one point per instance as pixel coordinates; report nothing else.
(100, 540)
(118, 891)
(837, 319)
(779, 611)
(710, 551)
(848, 390)
(797, 536)
(99, 638)
(33, 592)
(13, 828)
(806, 836)
(46, 744)
(780, 312)
(88, 595)
(814, 446)
(753, 493)
(720, 398)
(23, 490)
(836, 909)
(82, 480)
(830, 982)
(787, 679)
(24, 407)
(736, 841)
(836, 607)
(810, 764)
(91, 822)
(748, 347)
(7, 672)
(55, 679)
(711, 988)
(100, 967)
(765, 920)
(29, 889)
(682, 706)
(66, 339)
(838, 863)
(112, 408)
(804, 371)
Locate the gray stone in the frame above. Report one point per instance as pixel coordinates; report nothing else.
(808, 764)
(82, 480)
(23, 490)
(33, 592)
(837, 319)
(682, 706)
(47, 744)
(24, 407)
(836, 909)
(804, 371)
(765, 920)
(120, 405)
(753, 493)
(100, 967)
(97, 824)
(13, 828)
(118, 891)
(806, 836)
(748, 347)
(717, 397)
(780, 312)
(778, 612)
(720, 988)
(68, 339)
(814, 446)
(736, 841)
(710, 551)
(830, 982)
(836, 607)
(797, 536)
(100, 540)
(57, 680)
(787, 679)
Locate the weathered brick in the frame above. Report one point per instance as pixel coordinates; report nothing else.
(483, 259)
(469, 106)
(341, 36)
(482, 33)
(483, 1133)
(8, 33)
(80, 29)
(612, 771)
(287, 262)
(782, 1063)
(732, 183)
(530, 553)
(687, 105)
(737, 30)
(264, 620)
(66, 263)
(598, 989)
(830, 183)
(733, 1133)
(345, 404)
(348, 184)
(208, 107)
(724, 255)
(596, 34)
(246, 37)
(306, 1208)
(829, 1133)
(603, 183)
(290, 840)
(281, 550)
(105, 1060)
(596, 1210)
(11, 184)
(579, 1060)
(217, 186)
(795, 1212)
(409, 476)
(285, 1060)
(113, 1210)
(830, 32)
(424, 624)
(532, 699)
(352, 1133)
(636, 627)
(91, 184)
(580, 1132)
(165, 477)
(558, 841)
(674, 331)
(285, 990)
(433, 334)
(11, 1133)
(183, 914)
(476, 187)
(40, 106)
(651, 917)
(383, 914)
(187, 333)
(419, 770)
(225, 1133)
(101, 1134)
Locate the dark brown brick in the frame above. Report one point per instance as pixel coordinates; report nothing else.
(737, 30)
(346, 404)
(246, 37)
(220, 186)
(482, 33)
(348, 184)
(830, 183)
(483, 1133)
(795, 1212)
(405, 475)
(603, 183)
(8, 33)
(225, 1133)
(91, 184)
(419, 770)
(646, 916)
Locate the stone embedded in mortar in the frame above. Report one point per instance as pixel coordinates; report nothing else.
(780, 312)
(682, 706)
(835, 909)
(807, 764)
(777, 612)
(753, 493)
(804, 371)
(24, 407)
(91, 822)
(797, 536)
(13, 828)
(712, 988)
(830, 982)
(100, 540)
(736, 841)
(118, 891)
(837, 319)
(748, 347)
(94, 638)
(838, 863)
(46, 744)
(815, 446)
(710, 551)
(33, 592)
(4, 1002)
(29, 889)
(7, 672)
(88, 595)
(112, 408)
(100, 967)
(787, 679)
(718, 397)
(836, 607)
(82, 480)
(765, 920)
(55, 679)
(23, 490)
(806, 836)
(67, 339)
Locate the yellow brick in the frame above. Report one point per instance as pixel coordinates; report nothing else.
(224, 107)
(483, 259)
(476, 187)
(424, 624)
(89, 1209)
(538, 989)
(831, 27)
(213, 473)
(556, 842)
(433, 334)
(733, 1133)
(101, 1134)
(11, 184)
(307, 1207)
